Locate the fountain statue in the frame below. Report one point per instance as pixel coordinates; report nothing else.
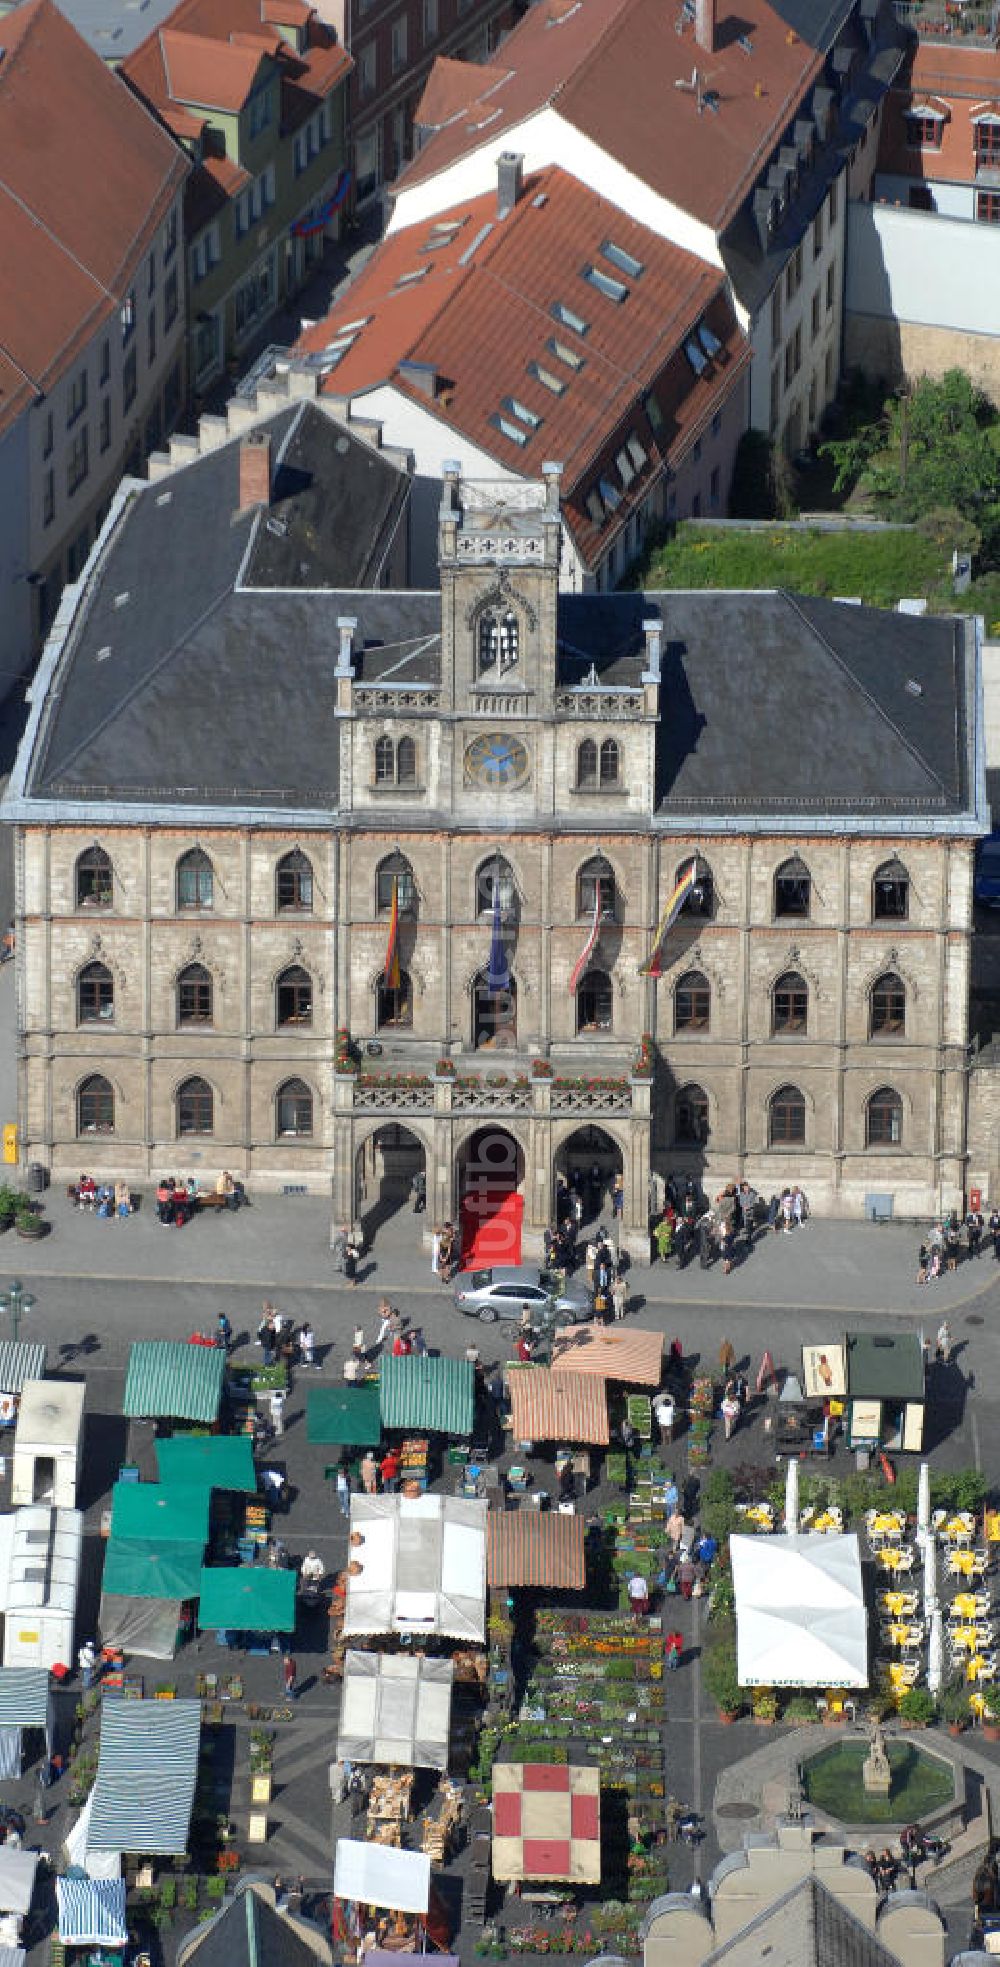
(876, 1773)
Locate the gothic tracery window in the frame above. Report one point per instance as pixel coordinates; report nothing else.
(498, 641)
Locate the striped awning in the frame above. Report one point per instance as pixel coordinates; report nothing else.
(146, 1772)
(20, 1360)
(24, 1697)
(92, 1912)
(614, 1352)
(432, 1394)
(174, 1380)
(550, 1406)
(535, 1547)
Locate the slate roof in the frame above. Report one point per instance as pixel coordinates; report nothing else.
(247, 1933)
(806, 1927)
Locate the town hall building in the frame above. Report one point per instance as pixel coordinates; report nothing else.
(330, 882)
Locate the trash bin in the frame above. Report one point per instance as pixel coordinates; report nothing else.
(36, 1177)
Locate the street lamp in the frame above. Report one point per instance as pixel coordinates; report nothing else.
(15, 1300)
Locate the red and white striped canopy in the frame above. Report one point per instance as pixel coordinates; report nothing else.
(551, 1406)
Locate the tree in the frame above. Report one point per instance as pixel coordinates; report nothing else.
(931, 451)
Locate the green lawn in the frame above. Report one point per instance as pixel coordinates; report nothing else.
(920, 1782)
(879, 567)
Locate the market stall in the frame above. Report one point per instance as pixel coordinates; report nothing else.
(427, 1392)
(526, 1547)
(376, 1876)
(885, 1391)
(146, 1773)
(546, 1823)
(550, 1406)
(145, 1589)
(208, 1461)
(156, 1513)
(801, 1426)
(174, 1380)
(247, 1598)
(396, 1710)
(40, 1552)
(21, 1360)
(418, 1565)
(92, 1912)
(343, 1416)
(800, 1611)
(25, 1702)
(612, 1352)
(48, 1441)
(17, 1888)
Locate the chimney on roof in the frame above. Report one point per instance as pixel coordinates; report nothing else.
(255, 470)
(346, 625)
(552, 474)
(653, 632)
(704, 25)
(510, 178)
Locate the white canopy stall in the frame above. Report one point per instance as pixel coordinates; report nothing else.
(40, 1552)
(375, 1875)
(396, 1709)
(17, 1886)
(47, 1443)
(800, 1612)
(418, 1565)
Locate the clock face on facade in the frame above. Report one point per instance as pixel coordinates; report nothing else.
(497, 760)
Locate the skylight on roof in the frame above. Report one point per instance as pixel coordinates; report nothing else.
(561, 349)
(613, 290)
(710, 343)
(508, 429)
(625, 262)
(560, 312)
(353, 327)
(410, 279)
(441, 235)
(515, 408)
(546, 378)
(696, 356)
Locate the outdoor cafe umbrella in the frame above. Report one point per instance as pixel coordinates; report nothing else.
(765, 1373)
(923, 1502)
(930, 1577)
(792, 1496)
(935, 1652)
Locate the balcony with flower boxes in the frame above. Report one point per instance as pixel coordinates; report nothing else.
(535, 1087)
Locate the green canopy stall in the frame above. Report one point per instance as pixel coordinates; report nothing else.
(428, 1394)
(144, 1587)
(174, 1380)
(215, 1461)
(160, 1514)
(247, 1598)
(343, 1416)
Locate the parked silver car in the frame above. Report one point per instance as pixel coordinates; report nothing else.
(506, 1291)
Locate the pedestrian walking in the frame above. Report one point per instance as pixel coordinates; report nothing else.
(307, 1344)
(730, 1411)
(618, 1198)
(289, 1674)
(994, 1227)
(943, 1351)
(369, 1474)
(223, 1332)
(418, 1190)
(344, 1491)
(277, 1408)
(727, 1358)
(351, 1256)
(86, 1660)
(266, 1333)
(619, 1296)
(389, 1470)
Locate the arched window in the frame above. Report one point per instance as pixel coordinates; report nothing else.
(293, 1109)
(595, 882)
(594, 1002)
(786, 1118)
(699, 900)
(194, 995)
(494, 870)
(95, 1106)
(195, 880)
(385, 761)
(95, 886)
(406, 762)
(887, 1007)
(890, 892)
(498, 642)
(792, 889)
(884, 1119)
(294, 997)
(394, 1008)
(692, 1002)
(395, 869)
(691, 1116)
(790, 1005)
(586, 765)
(95, 995)
(293, 882)
(195, 1108)
(610, 762)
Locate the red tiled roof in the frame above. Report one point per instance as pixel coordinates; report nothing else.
(476, 329)
(211, 73)
(86, 180)
(451, 86)
(286, 13)
(616, 70)
(957, 82)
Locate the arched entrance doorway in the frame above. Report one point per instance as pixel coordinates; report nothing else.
(386, 1166)
(586, 1166)
(490, 1198)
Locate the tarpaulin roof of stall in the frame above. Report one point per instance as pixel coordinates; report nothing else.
(160, 1513)
(134, 1568)
(430, 1392)
(20, 1360)
(92, 1912)
(215, 1461)
(50, 1416)
(174, 1380)
(17, 1878)
(247, 1598)
(343, 1416)
(885, 1366)
(535, 1547)
(421, 1566)
(613, 1352)
(146, 1773)
(550, 1406)
(546, 1822)
(377, 1875)
(24, 1697)
(801, 1619)
(395, 1709)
